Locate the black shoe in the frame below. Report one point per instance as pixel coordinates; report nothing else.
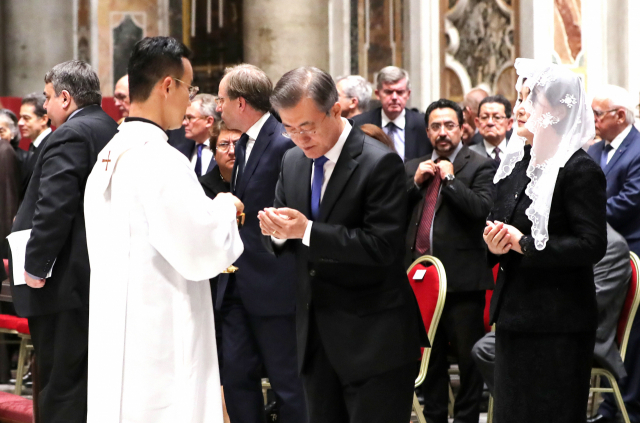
(599, 418)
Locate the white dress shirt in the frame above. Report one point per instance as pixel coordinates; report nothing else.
(490, 148)
(39, 138)
(398, 137)
(332, 155)
(617, 141)
(207, 155)
(253, 133)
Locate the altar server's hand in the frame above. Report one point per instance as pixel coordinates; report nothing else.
(497, 237)
(284, 223)
(33, 283)
(236, 201)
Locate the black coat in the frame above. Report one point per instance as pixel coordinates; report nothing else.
(30, 163)
(352, 275)
(552, 290)
(416, 142)
(53, 208)
(213, 184)
(460, 217)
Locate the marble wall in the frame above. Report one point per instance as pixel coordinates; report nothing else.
(568, 31)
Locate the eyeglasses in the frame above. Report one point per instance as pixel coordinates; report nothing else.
(190, 88)
(598, 114)
(448, 126)
(224, 147)
(310, 132)
(496, 118)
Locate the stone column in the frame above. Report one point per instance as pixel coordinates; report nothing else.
(536, 29)
(38, 36)
(280, 35)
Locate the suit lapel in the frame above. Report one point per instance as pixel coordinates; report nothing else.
(410, 135)
(264, 139)
(619, 151)
(458, 164)
(302, 194)
(342, 172)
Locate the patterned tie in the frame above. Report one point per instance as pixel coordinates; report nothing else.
(241, 151)
(316, 186)
(198, 168)
(605, 155)
(496, 155)
(423, 238)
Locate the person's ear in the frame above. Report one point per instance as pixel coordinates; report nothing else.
(66, 99)
(477, 121)
(336, 110)
(509, 124)
(377, 92)
(166, 84)
(242, 103)
(354, 104)
(209, 122)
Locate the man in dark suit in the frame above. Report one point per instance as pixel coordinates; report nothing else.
(450, 194)
(341, 207)
(34, 124)
(405, 127)
(494, 124)
(258, 302)
(619, 156)
(611, 276)
(58, 307)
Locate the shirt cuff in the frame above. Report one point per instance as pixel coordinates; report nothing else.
(306, 238)
(33, 276)
(277, 241)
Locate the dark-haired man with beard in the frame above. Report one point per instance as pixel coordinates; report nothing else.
(451, 193)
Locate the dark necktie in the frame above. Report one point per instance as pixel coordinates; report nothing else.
(316, 186)
(241, 152)
(605, 155)
(423, 237)
(198, 168)
(496, 155)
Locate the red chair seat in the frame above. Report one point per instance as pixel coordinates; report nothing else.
(23, 326)
(14, 408)
(9, 322)
(6, 266)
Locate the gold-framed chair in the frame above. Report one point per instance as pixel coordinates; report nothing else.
(625, 322)
(19, 327)
(429, 283)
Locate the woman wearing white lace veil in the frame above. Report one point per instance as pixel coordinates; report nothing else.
(547, 229)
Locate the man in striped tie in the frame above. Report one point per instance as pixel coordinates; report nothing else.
(451, 192)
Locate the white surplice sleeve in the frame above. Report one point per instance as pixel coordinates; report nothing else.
(196, 235)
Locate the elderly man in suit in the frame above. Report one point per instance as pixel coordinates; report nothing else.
(494, 124)
(450, 194)
(58, 307)
(257, 303)
(404, 126)
(341, 207)
(354, 93)
(611, 276)
(619, 156)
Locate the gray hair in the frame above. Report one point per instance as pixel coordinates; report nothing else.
(206, 105)
(391, 75)
(309, 82)
(619, 98)
(355, 86)
(251, 83)
(77, 78)
(8, 117)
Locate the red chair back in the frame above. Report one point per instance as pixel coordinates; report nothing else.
(630, 307)
(6, 267)
(487, 298)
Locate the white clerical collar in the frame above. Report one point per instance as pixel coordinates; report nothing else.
(40, 137)
(435, 156)
(334, 154)
(490, 147)
(400, 121)
(254, 131)
(621, 136)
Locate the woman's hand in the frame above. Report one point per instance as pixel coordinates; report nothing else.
(497, 237)
(515, 236)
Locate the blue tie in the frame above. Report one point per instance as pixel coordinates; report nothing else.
(316, 186)
(605, 154)
(198, 168)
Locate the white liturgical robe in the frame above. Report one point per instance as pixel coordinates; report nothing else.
(154, 240)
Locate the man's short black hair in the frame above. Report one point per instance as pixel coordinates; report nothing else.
(497, 99)
(153, 59)
(444, 103)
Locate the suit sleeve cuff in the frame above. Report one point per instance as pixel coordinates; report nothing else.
(527, 245)
(33, 276)
(278, 242)
(306, 239)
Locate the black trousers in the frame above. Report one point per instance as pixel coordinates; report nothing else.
(384, 398)
(251, 344)
(461, 326)
(61, 344)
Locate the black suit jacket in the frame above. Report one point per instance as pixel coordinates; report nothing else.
(552, 290)
(180, 142)
(461, 214)
(416, 142)
(30, 163)
(266, 283)
(53, 208)
(213, 184)
(352, 276)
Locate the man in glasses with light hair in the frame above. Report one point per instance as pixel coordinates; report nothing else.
(354, 94)
(198, 122)
(404, 126)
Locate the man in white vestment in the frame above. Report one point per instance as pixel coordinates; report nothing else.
(154, 241)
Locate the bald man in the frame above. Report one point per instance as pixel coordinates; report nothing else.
(471, 104)
(121, 96)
